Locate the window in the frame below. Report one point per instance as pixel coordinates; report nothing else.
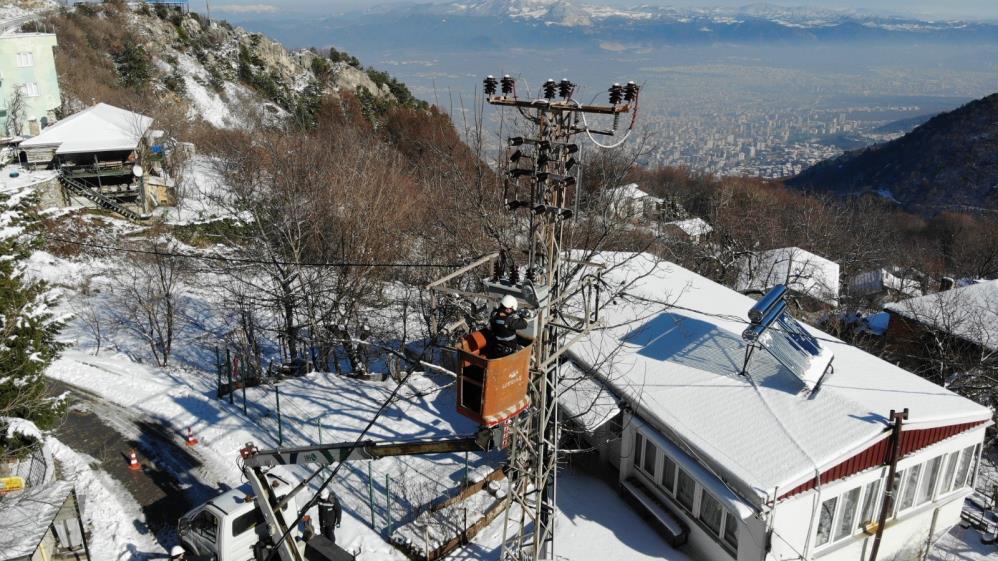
(25, 59)
(731, 530)
(974, 466)
(847, 514)
(246, 522)
(964, 469)
(910, 486)
(929, 481)
(946, 485)
(825, 521)
(639, 445)
(650, 455)
(206, 525)
(710, 512)
(871, 500)
(898, 478)
(669, 475)
(685, 489)
(31, 89)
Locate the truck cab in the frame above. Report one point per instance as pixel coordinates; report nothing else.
(227, 527)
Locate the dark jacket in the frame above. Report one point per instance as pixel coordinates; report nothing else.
(502, 329)
(330, 512)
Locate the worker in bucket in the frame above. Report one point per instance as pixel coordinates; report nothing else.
(330, 515)
(503, 325)
(177, 553)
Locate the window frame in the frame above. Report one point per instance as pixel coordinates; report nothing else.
(874, 500)
(666, 462)
(837, 526)
(25, 59)
(949, 473)
(916, 470)
(680, 473)
(926, 492)
(831, 522)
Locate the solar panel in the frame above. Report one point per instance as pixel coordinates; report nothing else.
(775, 330)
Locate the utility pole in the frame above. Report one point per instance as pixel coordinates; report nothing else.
(544, 190)
(897, 418)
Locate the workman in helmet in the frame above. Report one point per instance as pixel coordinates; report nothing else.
(330, 514)
(503, 325)
(177, 553)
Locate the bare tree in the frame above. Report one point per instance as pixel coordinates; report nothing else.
(16, 106)
(148, 298)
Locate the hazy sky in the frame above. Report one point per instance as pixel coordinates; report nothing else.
(968, 9)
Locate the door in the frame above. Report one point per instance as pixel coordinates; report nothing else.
(204, 535)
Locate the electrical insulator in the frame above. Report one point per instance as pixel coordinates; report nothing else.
(514, 274)
(631, 92)
(571, 163)
(515, 140)
(616, 94)
(542, 159)
(515, 156)
(571, 148)
(549, 88)
(489, 85)
(565, 88)
(508, 84)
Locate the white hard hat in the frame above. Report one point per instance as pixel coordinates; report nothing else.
(324, 495)
(176, 551)
(508, 302)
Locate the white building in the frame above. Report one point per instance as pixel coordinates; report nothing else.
(890, 282)
(800, 270)
(691, 229)
(629, 202)
(746, 467)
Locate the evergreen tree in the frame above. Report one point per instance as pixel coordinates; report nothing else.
(29, 326)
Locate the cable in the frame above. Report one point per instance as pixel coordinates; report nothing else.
(315, 498)
(320, 264)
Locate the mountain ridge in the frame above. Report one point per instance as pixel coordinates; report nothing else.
(948, 163)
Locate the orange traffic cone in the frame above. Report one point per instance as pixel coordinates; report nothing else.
(133, 462)
(191, 441)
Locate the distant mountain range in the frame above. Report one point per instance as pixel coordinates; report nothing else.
(948, 163)
(484, 24)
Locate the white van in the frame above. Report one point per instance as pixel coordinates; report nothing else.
(226, 527)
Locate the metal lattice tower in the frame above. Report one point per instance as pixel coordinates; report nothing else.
(549, 182)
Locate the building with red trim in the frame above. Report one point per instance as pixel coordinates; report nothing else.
(749, 466)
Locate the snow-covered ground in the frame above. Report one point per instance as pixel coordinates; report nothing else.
(115, 519)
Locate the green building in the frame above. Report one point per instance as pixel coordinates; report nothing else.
(27, 65)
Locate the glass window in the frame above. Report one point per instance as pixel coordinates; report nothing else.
(710, 512)
(639, 445)
(910, 486)
(31, 89)
(898, 478)
(650, 455)
(825, 521)
(946, 485)
(871, 500)
(974, 466)
(246, 522)
(669, 475)
(206, 525)
(731, 530)
(964, 469)
(929, 481)
(25, 59)
(685, 489)
(847, 514)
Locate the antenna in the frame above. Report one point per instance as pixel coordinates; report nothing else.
(775, 330)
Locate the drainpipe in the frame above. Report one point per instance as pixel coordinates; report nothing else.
(888, 504)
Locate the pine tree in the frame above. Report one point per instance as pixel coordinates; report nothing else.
(29, 327)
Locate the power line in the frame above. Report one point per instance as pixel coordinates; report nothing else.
(209, 257)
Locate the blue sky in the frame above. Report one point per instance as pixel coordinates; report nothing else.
(967, 9)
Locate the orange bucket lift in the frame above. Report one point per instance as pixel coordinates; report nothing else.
(491, 391)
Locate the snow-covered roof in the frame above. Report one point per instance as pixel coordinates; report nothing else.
(584, 401)
(26, 515)
(101, 128)
(692, 227)
(969, 312)
(632, 191)
(871, 282)
(674, 350)
(800, 270)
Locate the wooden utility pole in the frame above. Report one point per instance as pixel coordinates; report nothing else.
(888, 505)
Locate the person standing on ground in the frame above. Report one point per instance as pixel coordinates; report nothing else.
(330, 515)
